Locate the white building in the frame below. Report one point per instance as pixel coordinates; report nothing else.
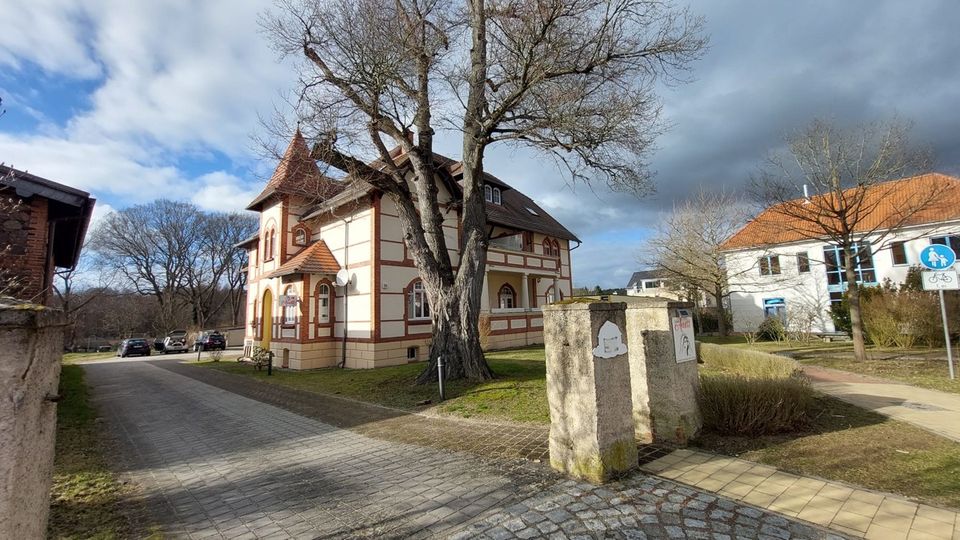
(777, 271)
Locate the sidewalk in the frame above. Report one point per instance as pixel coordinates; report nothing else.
(838, 506)
(934, 411)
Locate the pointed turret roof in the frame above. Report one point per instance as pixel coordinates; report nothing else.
(297, 174)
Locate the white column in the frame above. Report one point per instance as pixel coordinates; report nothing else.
(525, 295)
(485, 297)
(556, 290)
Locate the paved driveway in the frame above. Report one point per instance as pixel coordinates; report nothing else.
(215, 464)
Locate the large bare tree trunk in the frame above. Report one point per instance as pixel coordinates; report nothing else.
(853, 301)
(721, 312)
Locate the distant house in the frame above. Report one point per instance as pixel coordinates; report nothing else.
(782, 273)
(649, 283)
(653, 283)
(312, 227)
(43, 233)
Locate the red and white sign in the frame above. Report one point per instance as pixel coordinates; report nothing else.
(288, 300)
(683, 338)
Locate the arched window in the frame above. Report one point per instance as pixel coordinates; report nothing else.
(323, 303)
(269, 241)
(290, 311)
(547, 247)
(507, 297)
(488, 193)
(419, 304)
(556, 248)
(300, 237)
(496, 195)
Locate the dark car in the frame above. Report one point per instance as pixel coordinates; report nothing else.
(210, 340)
(130, 347)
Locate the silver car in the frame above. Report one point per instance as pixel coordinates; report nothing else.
(175, 342)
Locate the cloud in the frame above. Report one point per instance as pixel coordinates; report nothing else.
(177, 87)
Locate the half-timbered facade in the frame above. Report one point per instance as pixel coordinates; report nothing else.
(312, 227)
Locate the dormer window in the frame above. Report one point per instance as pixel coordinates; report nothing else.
(488, 193)
(496, 195)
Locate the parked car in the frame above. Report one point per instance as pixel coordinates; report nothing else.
(209, 340)
(132, 346)
(175, 342)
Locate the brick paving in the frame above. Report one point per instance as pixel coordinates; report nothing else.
(858, 512)
(487, 439)
(211, 463)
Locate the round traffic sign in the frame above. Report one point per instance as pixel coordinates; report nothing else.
(937, 257)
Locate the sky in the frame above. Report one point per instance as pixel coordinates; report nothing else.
(134, 101)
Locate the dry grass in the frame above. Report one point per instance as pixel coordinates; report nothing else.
(87, 499)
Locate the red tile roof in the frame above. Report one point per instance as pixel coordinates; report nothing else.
(297, 174)
(315, 259)
(890, 203)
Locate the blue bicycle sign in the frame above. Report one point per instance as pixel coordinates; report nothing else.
(937, 257)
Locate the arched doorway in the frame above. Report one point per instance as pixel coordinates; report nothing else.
(267, 319)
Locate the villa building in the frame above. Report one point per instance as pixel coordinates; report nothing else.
(312, 227)
(779, 272)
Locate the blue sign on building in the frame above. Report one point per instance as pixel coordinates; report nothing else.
(937, 257)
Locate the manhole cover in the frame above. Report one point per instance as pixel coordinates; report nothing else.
(921, 406)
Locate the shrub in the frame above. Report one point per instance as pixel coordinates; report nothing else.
(746, 363)
(901, 317)
(840, 313)
(771, 329)
(744, 392)
(736, 405)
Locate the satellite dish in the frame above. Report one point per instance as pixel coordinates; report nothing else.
(343, 278)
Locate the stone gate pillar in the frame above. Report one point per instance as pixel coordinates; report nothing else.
(663, 370)
(588, 389)
(31, 346)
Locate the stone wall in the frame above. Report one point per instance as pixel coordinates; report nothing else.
(31, 346)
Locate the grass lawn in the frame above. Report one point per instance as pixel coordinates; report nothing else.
(518, 394)
(850, 444)
(926, 368)
(73, 358)
(87, 500)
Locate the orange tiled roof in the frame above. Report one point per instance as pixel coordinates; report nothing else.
(315, 259)
(297, 174)
(889, 201)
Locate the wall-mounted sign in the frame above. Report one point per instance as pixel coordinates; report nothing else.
(683, 338)
(288, 300)
(609, 341)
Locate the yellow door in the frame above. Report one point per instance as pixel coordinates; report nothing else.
(267, 319)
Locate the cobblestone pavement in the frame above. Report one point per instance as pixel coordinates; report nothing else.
(213, 464)
(487, 439)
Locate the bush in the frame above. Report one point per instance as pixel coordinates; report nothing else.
(771, 329)
(744, 392)
(736, 405)
(900, 317)
(746, 363)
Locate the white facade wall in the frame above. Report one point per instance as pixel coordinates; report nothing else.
(810, 292)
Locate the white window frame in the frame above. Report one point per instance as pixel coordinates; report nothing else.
(290, 312)
(487, 193)
(496, 196)
(323, 304)
(419, 311)
(296, 237)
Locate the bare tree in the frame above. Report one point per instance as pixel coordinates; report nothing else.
(214, 278)
(687, 248)
(572, 78)
(11, 281)
(832, 184)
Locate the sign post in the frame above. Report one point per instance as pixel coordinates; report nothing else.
(939, 259)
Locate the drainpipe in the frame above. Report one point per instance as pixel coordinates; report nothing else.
(346, 291)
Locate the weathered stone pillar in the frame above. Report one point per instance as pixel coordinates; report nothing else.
(525, 292)
(663, 370)
(31, 345)
(588, 389)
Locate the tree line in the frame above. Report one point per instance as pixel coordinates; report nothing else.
(158, 266)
